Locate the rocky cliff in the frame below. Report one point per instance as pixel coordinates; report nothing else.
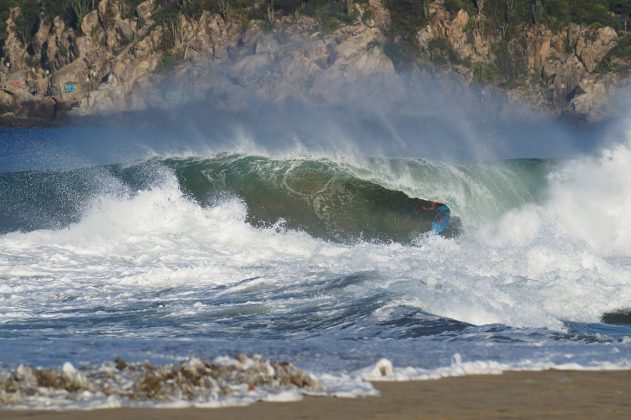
(559, 72)
(115, 63)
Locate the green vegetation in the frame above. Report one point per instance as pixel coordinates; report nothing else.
(511, 68)
(483, 73)
(507, 16)
(25, 23)
(440, 52)
(80, 8)
(499, 17)
(170, 60)
(330, 13)
(503, 18)
(407, 16)
(453, 6)
(621, 50)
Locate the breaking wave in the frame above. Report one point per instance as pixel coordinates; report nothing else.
(228, 253)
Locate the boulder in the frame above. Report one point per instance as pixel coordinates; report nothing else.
(144, 11)
(592, 46)
(592, 98)
(73, 80)
(90, 25)
(456, 35)
(358, 69)
(21, 109)
(538, 47)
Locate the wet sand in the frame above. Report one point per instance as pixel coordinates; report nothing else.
(549, 394)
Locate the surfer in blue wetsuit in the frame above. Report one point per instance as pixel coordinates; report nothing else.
(443, 215)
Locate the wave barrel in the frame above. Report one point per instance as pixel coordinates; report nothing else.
(316, 197)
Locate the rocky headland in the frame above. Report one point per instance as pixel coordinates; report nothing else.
(121, 56)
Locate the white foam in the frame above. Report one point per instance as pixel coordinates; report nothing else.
(84, 390)
(535, 268)
(589, 201)
(592, 200)
(478, 367)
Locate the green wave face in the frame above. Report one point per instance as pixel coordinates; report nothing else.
(374, 200)
(318, 197)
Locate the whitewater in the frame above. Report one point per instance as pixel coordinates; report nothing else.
(161, 259)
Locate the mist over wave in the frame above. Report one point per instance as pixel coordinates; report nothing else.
(426, 118)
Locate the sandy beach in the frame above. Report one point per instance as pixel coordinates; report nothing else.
(549, 394)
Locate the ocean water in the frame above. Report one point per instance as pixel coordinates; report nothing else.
(127, 265)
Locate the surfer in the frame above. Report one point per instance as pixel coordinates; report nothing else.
(443, 215)
(432, 207)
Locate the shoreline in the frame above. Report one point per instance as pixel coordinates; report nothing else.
(513, 394)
